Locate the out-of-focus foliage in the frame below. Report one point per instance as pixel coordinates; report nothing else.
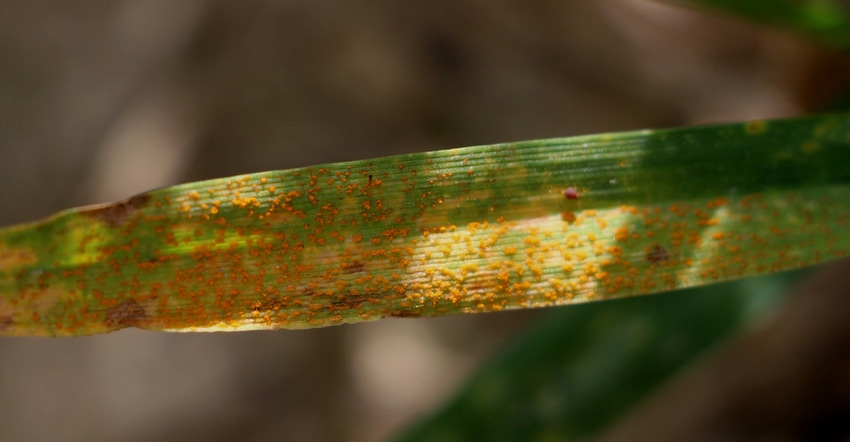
(826, 20)
(581, 367)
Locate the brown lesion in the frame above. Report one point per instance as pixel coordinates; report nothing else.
(657, 254)
(115, 214)
(349, 302)
(126, 314)
(353, 267)
(15, 259)
(6, 323)
(404, 314)
(269, 304)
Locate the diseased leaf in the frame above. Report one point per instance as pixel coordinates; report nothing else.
(469, 230)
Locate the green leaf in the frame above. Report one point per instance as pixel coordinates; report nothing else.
(477, 229)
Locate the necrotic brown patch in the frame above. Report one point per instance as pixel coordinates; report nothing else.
(657, 254)
(404, 314)
(269, 305)
(6, 322)
(349, 302)
(116, 213)
(354, 267)
(126, 314)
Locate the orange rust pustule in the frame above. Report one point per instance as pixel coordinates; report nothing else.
(568, 216)
(127, 314)
(657, 254)
(115, 214)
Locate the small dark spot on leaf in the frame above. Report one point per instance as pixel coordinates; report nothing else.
(657, 254)
(115, 214)
(125, 314)
(571, 193)
(404, 314)
(6, 322)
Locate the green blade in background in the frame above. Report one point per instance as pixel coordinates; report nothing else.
(826, 20)
(478, 229)
(578, 369)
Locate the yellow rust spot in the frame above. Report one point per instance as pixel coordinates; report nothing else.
(602, 223)
(245, 202)
(621, 233)
(532, 240)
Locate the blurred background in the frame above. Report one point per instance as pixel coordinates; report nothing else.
(102, 99)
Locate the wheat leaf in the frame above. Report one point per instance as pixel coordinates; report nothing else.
(469, 230)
